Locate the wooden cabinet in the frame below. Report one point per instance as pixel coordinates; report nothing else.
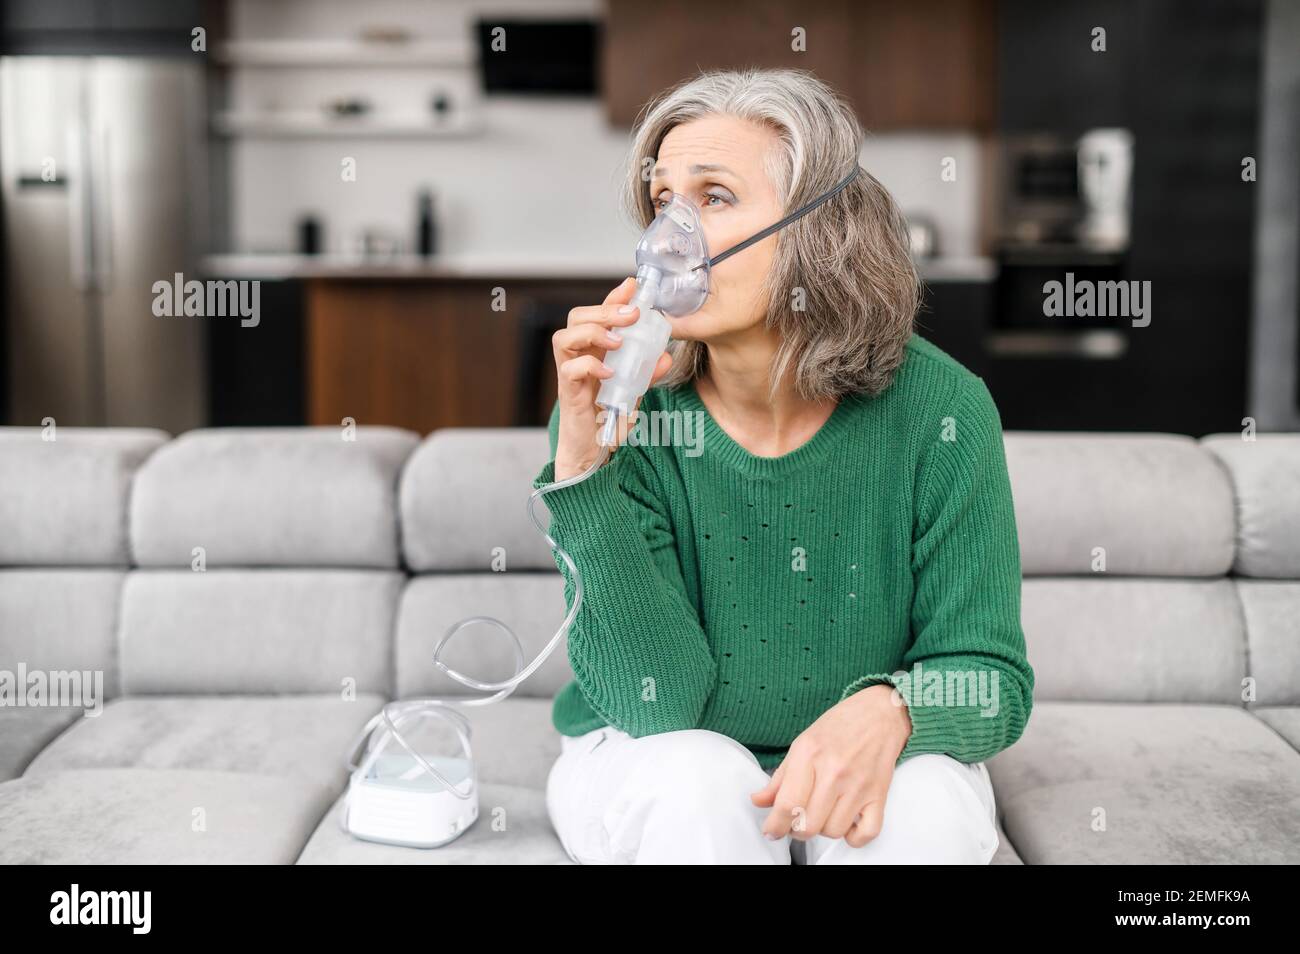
(423, 354)
(902, 63)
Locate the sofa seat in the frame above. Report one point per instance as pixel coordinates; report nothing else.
(514, 746)
(525, 836)
(512, 828)
(513, 740)
(302, 737)
(1178, 784)
(157, 816)
(27, 731)
(1006, 853)
(1284, 720)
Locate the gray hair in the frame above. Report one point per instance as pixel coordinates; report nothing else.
(850, 257)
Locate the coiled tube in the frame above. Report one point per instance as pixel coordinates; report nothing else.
(396, 714)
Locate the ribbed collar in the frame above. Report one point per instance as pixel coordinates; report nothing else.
(720, 445)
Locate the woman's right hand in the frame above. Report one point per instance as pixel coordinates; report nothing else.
(580, 349)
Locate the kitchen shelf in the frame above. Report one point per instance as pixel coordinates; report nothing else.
(311, 124)
(397, 53)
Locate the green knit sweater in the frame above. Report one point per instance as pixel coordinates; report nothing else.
(747, 594)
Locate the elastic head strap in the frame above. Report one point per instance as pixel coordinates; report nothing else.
(797, 213)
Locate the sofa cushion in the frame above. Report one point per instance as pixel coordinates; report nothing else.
(530, 603)
(465, 493)
(1134, 640)
(61, 619)
(24, 732)
(512, 828)
(271, 497)
(1272, 612)
(1177, 784)
(65, 501)
(1006, 853)
(157, 816)
(514, 741)
(300, 737)
(1157, 504)
(253, 631)
(1284, 720)
(1265, 473)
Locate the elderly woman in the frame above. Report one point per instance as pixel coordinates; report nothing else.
(800, 639)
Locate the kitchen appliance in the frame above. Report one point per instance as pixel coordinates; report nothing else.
(1105, 173)
(426, 230)
(922, 236)
(1065, 211)
(1067, 192)
(101, 173)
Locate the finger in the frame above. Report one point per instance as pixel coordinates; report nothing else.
(828, 786)
(608, 315)
(764, 797)
(665, 363)
(621, 293)
(844, 814)
(582, 339)
(575, 372)
(791, 800)
(869, 823)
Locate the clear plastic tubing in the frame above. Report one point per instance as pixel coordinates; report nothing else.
(633, 363)
(507, 686)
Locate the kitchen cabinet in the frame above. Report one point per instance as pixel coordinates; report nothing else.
(422, 350)
(255, 374)
(901, 63)
(424, 354)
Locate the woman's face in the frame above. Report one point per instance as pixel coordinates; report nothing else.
(716, 162)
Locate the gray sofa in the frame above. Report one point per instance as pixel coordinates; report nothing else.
(252, 597)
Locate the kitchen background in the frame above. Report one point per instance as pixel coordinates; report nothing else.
(422, 209)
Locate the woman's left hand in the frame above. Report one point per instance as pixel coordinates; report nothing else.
(838, 768)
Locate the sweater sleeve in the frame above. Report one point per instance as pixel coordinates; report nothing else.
(636, 646)
(966, 678)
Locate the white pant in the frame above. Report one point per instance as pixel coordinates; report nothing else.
(683, 798)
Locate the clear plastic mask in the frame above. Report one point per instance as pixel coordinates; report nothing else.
(673, 245)
(672, 258)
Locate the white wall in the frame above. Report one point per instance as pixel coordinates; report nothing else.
(499, 192)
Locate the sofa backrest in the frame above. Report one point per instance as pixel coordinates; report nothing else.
(1265, 475)
(64, 545)
(1157, 567)
(267, 561)
(1136, 568)
(473, 551)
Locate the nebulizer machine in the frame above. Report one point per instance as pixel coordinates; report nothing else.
(396, 793)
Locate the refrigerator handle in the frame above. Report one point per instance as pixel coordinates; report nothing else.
(79, 234)
(101, 235)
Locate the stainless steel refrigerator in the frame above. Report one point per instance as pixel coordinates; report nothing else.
(104, 191)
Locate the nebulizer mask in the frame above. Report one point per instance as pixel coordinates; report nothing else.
(398, 794)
